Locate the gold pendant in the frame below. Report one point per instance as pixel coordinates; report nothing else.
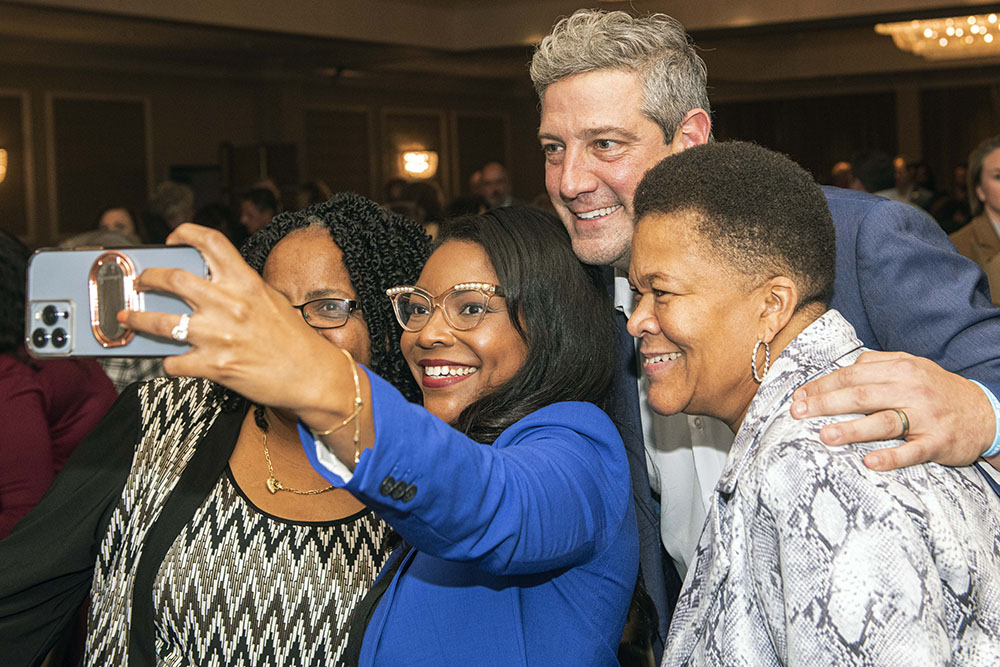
(273, 485)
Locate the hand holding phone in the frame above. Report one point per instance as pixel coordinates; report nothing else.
(74, 297)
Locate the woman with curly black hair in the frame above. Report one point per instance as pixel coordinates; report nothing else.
(215, 540)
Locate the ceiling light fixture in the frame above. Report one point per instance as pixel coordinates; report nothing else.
(974, 36)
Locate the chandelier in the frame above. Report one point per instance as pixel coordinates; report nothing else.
(972, 36)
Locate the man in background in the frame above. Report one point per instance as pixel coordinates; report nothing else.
(257, 209)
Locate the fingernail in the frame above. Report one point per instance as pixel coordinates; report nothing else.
(121, 315)
(832, 435)
(874, 461)
(799, 394)
(798, 408)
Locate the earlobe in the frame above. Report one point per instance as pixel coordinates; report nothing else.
(694, 130)
(780, 296)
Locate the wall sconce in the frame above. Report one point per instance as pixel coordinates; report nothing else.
(3, 164)
(418, 164)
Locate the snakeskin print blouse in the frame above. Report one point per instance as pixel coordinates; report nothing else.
(807, 557)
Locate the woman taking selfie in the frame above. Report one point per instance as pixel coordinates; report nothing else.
(807, 557)
(215, 541)
(511, 487)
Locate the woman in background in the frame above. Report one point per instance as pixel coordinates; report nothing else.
(980, 239)
(47, 406)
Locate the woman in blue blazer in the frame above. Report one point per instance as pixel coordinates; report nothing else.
(510, 487)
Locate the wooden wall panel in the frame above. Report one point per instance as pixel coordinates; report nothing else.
(815, 131)
(99, 158)
(338, 149)
(480, 138)
(14, 212)
(953, 121)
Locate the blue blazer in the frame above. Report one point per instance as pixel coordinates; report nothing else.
(903, 286)
(525, 552)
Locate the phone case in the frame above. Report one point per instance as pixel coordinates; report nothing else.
(74, 295)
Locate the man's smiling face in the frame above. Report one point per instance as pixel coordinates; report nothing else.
(597, 147)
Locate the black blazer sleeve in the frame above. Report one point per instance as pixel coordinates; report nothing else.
(47, 562)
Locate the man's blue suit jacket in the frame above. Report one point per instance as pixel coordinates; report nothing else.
(903, 286)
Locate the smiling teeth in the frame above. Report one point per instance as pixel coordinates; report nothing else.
(448, 371)
(597, 213)
(661, 358)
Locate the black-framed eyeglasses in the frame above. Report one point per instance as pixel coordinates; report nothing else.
(464, 305)
(327, 313)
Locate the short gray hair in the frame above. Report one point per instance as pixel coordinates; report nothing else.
(655, 47)
(172, 199)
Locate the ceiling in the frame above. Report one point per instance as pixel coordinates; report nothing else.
(475, 39)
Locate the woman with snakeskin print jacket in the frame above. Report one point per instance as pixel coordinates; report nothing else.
(807, 556)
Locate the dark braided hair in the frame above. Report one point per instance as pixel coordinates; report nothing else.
(381, 249)
(13, 268)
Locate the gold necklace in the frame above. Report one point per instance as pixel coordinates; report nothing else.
(273, 483)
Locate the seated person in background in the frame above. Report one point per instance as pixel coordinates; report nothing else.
(841, 175)
(904, 188)
(46, 405)
(807, 556)
(119, 219)
(272, 187)
(257, 208)
(495, 185)
(980, 239)
(465, 205)
(312, 193)
(171, 205)
(219, 216)
(953, 209)
(193, 517)
(512, 486)
(122, 371)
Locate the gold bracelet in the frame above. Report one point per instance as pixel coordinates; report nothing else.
(358, 404)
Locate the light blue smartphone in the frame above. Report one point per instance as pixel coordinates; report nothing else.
(74, 296)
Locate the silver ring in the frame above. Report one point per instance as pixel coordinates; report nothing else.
(180, 332)
(906, 422)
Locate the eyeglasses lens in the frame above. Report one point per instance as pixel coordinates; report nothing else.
(327, 313)
(465, 308)
(413, 310)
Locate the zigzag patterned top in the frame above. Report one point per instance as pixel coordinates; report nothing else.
(808, 557)
(236, 586)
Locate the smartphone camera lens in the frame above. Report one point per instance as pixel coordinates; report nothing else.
(39, 337)
(59, 337)
(50, 315)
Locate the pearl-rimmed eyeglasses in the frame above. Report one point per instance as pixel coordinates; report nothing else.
(464, 305)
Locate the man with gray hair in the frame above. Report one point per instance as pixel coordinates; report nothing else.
(618, 94)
